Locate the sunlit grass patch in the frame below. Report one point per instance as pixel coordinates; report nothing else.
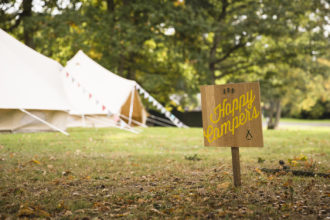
(162, 172)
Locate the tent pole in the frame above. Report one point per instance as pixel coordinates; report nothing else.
(43, 121)
(83, 120)
(131, 107)
(134, 121)
(114, 125)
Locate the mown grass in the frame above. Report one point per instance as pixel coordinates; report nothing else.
(311, 121)
(160, 173)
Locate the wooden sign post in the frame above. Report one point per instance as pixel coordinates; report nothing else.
(232, 118)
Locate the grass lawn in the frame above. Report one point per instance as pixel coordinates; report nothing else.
(312, 121)
(160, 173)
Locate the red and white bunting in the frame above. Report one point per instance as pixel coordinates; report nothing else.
(91, 96)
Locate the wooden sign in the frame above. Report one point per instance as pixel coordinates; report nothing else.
(231, 115)
(232, 118)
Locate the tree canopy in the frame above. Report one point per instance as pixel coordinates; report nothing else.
(173, 46)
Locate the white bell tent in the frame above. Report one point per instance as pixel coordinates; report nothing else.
(32, 96)
(99, 97)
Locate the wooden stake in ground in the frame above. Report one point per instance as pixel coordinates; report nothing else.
(231, 118)
(236, 166)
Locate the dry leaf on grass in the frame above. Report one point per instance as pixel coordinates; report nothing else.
(119, 215)
(157, 211)
(66, 173)
(224, 185)
(28, 211)
(67, 213)
(258, 171)
(35, 161)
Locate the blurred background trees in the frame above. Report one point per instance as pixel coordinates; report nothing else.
(173, 46)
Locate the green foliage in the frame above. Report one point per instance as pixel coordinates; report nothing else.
(172, 47)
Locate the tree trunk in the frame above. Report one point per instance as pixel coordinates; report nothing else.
(26, 14)
(212, 71)
(274, 114)
(278, 113)
(111, 6)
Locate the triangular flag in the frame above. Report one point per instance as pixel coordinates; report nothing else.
(146, 95)
(103, 108)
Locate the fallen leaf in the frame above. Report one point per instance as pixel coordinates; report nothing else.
(28, 211)
(157, 211)
(35, 161)
(140, 201)
(288, 183)
(25, 211)
(119, 215)
(221, 213)
(223, 185)
(66, 173)
(77, 152)
(258, 171)
(301, 157)
(79, 211)
(261, 160)
(75, 194)
(42, 213)
(67, 213)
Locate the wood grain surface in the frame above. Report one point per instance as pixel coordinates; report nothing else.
(231, 115)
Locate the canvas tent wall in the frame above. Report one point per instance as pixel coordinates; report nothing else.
(32, 96)
(99, 97)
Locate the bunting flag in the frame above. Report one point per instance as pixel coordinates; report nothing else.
(145, 94)
(90, 94)
(155, 103)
